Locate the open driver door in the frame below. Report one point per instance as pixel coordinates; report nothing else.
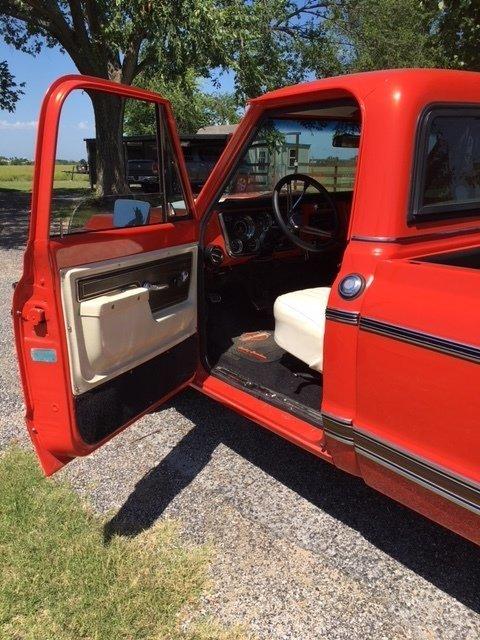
(105, 313)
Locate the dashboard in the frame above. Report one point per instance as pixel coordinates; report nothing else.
(244, 228)
(252, 233)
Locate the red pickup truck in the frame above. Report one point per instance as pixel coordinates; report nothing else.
(324, 283)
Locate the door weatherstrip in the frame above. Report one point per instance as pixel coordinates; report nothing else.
(421, 339)
(337, 315)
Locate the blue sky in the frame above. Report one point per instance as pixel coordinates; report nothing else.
(18, 129)
(320, 140)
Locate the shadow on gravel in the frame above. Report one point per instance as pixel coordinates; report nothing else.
(15, 213)
(449, 562)
(14, 218)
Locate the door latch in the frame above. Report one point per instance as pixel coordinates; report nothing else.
(36, 316)
(181, 279)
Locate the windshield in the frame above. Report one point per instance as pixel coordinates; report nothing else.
(325, 149)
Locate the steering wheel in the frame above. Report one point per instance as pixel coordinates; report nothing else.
(290, 220)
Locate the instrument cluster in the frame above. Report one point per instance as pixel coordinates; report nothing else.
(253, 233)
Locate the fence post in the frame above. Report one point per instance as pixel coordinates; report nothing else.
(335, 176)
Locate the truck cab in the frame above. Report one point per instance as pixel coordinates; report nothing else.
(322, 283)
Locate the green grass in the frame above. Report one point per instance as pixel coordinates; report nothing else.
(20, 178)
(60, 581)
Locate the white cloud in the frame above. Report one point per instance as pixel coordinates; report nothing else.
(84, 125)
(19, 125)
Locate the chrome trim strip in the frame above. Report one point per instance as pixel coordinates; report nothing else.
(347, 317)
(339, 428)
(421, 339)
(361, 432)
(425, 237)
(441, 481)
(463, 492)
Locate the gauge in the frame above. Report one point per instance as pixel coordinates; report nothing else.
(236, 246)
(244, 228)
(253, 245)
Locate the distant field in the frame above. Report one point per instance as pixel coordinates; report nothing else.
(20, 178)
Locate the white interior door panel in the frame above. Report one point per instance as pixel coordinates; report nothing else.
(113, 324)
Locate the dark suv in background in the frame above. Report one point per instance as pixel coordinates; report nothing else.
(143, 173)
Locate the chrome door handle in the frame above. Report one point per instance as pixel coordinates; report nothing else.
(151, 286)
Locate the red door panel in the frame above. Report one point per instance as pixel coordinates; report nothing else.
(87, 371)
(418, 365)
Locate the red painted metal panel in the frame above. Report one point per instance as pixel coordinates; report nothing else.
(415, 397)
(48, 397)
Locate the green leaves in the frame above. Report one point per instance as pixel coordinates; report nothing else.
(264, 43)
(457, 32)
(192, 107)
(383, 34)
(10, 91)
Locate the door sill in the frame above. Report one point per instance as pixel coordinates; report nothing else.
(269, 396)
(252, 404)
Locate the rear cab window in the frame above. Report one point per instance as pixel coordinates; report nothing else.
(447, 165)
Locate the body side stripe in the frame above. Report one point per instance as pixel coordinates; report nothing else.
(421, 339)
(443, 482)
(347, 317)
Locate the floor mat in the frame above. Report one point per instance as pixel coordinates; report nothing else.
(258, 346)
(241, 341)
(284, 374)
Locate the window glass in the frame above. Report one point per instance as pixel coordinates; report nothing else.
(201, 155)
(293, 158)
(177, 207)
(451, 170)
(111, 170)
(325, 149)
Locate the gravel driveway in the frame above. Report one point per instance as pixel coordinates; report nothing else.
(302, 550)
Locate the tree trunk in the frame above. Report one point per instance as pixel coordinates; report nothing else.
(110, 158)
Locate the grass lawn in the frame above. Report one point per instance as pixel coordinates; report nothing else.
(19, 178)
(59, 580)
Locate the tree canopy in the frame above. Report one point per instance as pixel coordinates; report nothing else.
(456, 32)
(169, 45)
(264, 42)
(193, 108)
(10, 90)
(383, 34)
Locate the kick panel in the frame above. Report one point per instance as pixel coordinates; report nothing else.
(106, 408)
(120, 313)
